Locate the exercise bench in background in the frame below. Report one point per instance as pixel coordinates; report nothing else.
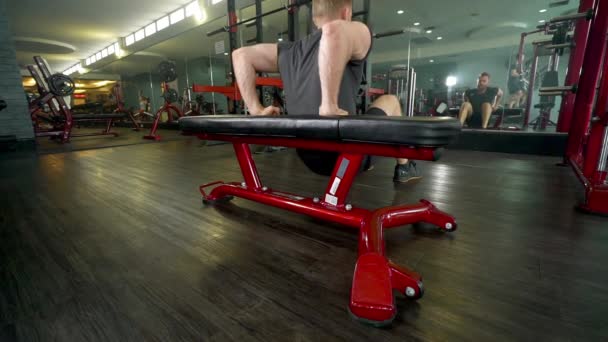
(416, 138)
(51, 108)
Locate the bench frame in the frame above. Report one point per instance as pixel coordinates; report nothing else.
(375, 276)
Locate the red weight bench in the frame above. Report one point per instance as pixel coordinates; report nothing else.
(418, 138)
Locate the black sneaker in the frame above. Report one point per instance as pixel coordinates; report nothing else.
(406, 172)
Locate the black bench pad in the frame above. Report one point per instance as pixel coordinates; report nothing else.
(413, 131)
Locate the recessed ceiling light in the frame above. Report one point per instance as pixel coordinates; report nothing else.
(432, 61)
(416, 24)
(542, 21)
(439, 38)
(429, 31)
(400, 11)
(543, 10)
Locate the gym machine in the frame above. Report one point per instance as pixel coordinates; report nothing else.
(52, 90)
(168, 73)
(559, 27)
(402, 83)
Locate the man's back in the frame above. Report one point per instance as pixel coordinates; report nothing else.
(299, 68)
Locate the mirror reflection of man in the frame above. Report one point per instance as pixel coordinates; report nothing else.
(480, 103)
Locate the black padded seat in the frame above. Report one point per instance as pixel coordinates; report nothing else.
(416, 131)
(305, 127)
(99, 116)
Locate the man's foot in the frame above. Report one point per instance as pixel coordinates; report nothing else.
(406, 173)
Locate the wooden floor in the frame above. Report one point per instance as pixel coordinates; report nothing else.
(115, 245)
(126, 137)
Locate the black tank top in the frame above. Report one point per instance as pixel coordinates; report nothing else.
(299, 68)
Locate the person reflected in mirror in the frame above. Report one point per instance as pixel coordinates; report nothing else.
(517, 89)
(480, 103)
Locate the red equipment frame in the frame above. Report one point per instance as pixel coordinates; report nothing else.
(120, 105)
(61, 117)
(581, 33)
(587, 149)
(232, 91)
(167, 107)
(375, 276)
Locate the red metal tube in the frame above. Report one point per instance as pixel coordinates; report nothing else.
(346, 169)
(601, 107)
(581, 33)
(592, 63)
(306, 206)
(531, 87)
(250, 172)
(382, 150)
(593, 150)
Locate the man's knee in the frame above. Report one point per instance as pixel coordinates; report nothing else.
(390, 104)
(466, 108)
(486, 107)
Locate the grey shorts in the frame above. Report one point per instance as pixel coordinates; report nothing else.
(323, 162)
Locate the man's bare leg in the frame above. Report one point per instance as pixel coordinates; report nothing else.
(466, 110)
(486, 113)
(392, 107)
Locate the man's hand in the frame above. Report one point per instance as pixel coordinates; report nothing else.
(332, 111)
(268, 111)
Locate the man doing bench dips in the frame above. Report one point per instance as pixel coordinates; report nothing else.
(321, 74)
(480, 103)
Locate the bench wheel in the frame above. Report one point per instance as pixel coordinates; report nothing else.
(225, 199)
(412, 293)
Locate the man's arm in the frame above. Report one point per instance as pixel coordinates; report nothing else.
(499, 96)
(247, 62)
(342, 41)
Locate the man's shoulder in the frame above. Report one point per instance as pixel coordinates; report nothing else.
(305, 43)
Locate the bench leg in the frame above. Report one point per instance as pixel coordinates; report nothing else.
(375, 277)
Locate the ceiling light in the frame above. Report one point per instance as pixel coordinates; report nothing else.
(130, 40)
(150, 29)
(88, 61)
(98, 56)
(214, 2)
(400, 12)
(177, 16)
(162, 23)
(104, 53)
(280, 39)
(416, 24)
(432, 61)
(542, 21)
(194, 9)
(451, 81)
(439, 38)
(139, 35)
(543, 10)
(429, 31)
(225, 53)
